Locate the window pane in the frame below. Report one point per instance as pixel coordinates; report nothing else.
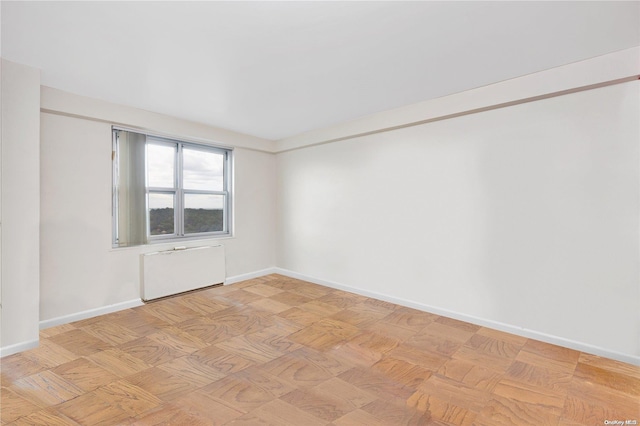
(203, 170)
(203, 213)
(161, 165)
(161, 217)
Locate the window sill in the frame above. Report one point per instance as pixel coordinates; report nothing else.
(188, 242)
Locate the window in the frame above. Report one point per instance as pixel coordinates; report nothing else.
(167, 189)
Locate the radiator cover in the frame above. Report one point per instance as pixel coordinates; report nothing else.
(164, 273)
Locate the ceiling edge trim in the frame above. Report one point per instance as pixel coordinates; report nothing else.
(475, 111)
(55, 101)
(607, 69)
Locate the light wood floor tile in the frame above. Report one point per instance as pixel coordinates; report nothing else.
(279, 351)
(80, 342)
(238, 393)
(242, 321)
(381, 305)
(48, 417)
(347, 392)
(170, 311)
(52, 331)
(402, 372)
(278, 413)
(409, 318)
(324, 334)
(312, 291)
(14, 406)
(275, 337)
(500, 335)
(283, 283)
(549, 356)
(176, 339)
(457, 393)
(319, 403)
(139, 320)
(221, 360)
(446, 331)
(320, 308)
(331, 365)
(429, 360)
(291, 299)
(151, 352)
(208, 330)
(270, 305)
(17, 366)
(390, 330)
(441, 410)
(240, 297)
(359, 418)
(272, 384)
(203, 305)
(162, 384)
(191, 370)
(588, 403)
(551, 400)
(471, 374)
(341, 299)
(169, 414)
(299, 316)
(264, 290)
(610, 379)
(113, 334)
(359, 316)
(439, 345)
(84, 374)
(88, 409)
(544, 362)
(296, 371)
(395, 414)
(50, 355)
(458, 324)
(610, 365)
(488, 352)
(45, 389)
(537, 376)
(206, 409)
(250, 348)
(365, 349)
(377, 384)
(508, 412)
(119, 362)
(129, 398)
(282, 326)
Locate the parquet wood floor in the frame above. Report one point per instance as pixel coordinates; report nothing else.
(279, 351)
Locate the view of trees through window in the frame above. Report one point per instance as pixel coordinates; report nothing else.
(195, 220)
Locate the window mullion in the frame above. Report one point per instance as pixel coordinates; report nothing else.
(179, 193)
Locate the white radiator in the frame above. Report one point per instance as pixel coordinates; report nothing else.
(164, 273)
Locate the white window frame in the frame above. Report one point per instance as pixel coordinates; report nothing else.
(178, 190)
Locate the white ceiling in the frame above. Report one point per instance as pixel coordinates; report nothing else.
(276, 69)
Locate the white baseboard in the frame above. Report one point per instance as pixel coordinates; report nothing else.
(251, 275)
(135, 302)
(90, 313)
(531, 334)
(18, 347)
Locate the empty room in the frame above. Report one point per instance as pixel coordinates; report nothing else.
(320, 213)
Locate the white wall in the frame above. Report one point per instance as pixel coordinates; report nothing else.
(79, 269)
(524, 216)
(20, 206)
